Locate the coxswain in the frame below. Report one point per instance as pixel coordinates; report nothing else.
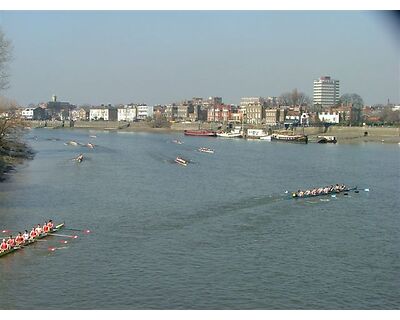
(32, 234)
(50, 224)
(46, 228)
(19, 239)
(39, 229)
(26, 235)
(11, 241)
(4, 246)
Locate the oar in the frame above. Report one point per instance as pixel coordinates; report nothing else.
(56, 248)
(62, 235)
(84, 231)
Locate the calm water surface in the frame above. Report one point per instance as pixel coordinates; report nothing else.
(217, 234)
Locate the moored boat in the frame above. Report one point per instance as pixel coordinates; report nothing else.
(235, 133)
(200, 133)
(255, 134)
(206, 150)
(297, 138)
(326, 139)
(266, 138)
(181, 161)
(29, 242)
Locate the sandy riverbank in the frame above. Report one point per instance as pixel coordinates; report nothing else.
(357, 134)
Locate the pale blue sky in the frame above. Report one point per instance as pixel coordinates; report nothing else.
(167, 56)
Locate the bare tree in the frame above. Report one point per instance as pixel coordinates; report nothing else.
(5, 58)
(11, 124)
(294, 98)
(356, 103)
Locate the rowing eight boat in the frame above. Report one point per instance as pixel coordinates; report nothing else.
(29, 242)
(332, 193)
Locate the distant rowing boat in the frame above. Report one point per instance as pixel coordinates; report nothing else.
(29, 242)
(181, 161)
(206, 150)
(310, 194)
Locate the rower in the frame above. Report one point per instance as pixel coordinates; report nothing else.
(11, 241)
(19, 239)
(26, 235)
(50, 224)
(46, 228)
(4, 246)
(39, 229)
(33, 234)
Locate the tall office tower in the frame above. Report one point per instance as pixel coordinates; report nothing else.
(326, 91)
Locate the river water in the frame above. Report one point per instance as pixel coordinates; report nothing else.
(218, 234)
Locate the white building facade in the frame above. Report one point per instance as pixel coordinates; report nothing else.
(102, 113)
(27, 113)
(328, 117)
(144, 111)
(326, 92)
(127, 113)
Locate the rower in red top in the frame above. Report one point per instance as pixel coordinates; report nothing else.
(39, 229)
(46, 228)
(50, 225)
(19, 239)
(32, 234)
(11, 241)
(4, 246)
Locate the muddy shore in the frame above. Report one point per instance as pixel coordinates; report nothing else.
(342, 134)
(11, 154)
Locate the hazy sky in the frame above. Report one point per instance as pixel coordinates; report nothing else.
(167, 56)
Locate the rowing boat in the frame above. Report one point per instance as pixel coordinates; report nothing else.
(332, 193)
(181, 161)
(29, 242)
(206, 150)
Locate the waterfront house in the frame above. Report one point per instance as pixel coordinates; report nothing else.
(171, 112)
(272, 116)
(27, 113)
(219, 113)
(329, 117)
(31, 113)
(127, 113)
(103, 113)
(79, 114)
(144, 111)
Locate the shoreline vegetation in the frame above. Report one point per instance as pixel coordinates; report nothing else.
(13, 153)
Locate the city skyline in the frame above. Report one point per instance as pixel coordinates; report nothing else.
(160, 57)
